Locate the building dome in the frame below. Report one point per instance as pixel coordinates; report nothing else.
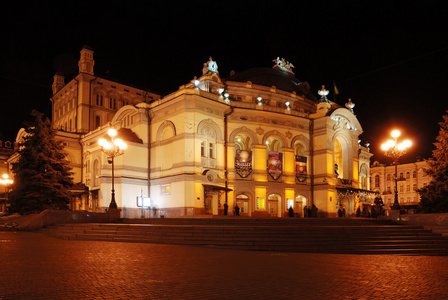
(282, 80)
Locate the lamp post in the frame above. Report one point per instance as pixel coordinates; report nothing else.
(113, 149)
(395, 150)
(6, 181)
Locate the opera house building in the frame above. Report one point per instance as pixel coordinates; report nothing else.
(258, 138)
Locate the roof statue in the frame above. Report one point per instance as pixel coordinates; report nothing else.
(350, 105)
(323, 94)
(210, 67)
(283, 65)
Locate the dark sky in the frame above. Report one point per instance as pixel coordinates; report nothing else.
(389, 57)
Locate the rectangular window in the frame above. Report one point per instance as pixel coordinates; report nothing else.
(165, 189)
(260, 203)
(211, 150)
(289, 203)
(203, 153)
(408, 188)
(414, 186)
(401, 189)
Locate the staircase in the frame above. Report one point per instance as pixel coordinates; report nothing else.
(313, 235)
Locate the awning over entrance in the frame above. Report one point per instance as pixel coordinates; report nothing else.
(209, 187)
(79, 189)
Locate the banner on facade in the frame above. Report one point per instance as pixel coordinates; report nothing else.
(275, 164)
(301, 168)
(243, 162)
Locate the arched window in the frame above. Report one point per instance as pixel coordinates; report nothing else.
(401, 175)
(414, 174)
(97, 121)
(209, 132)
(408, 175)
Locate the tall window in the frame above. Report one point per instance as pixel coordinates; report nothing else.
(99, 100)
(96, 172)
(388, 177)
(377, 181)
(208, 130)
(97, 121)
(203, 152)
(211, 150)
(408, 175)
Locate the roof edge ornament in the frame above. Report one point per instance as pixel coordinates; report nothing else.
(210, 67)
(283, 65)
(323, 93)
(350, 105)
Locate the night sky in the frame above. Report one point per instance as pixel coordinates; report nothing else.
(390, 58)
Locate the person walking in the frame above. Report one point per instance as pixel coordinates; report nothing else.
(226, 208)
(237, 210)
(314, 210)
(291, 212)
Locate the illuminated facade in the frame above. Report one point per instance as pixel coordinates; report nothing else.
(258, 139)
(411, 176)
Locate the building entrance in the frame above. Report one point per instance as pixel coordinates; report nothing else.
(243, 203)
(272, 208)
(273, 205)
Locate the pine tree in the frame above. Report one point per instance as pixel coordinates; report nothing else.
(434, 197)
(42, 174)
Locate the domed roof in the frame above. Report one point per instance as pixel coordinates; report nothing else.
(282, 80)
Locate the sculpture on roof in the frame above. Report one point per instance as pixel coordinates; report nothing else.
(323, 93)
(210, 67)
(350, 105)
(283, 65)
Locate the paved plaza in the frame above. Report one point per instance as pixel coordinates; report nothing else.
(35, 266)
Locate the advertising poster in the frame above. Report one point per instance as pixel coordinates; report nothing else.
(243, 162)
(301, 165)
(275, 165)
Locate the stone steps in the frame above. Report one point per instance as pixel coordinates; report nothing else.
(342, 236)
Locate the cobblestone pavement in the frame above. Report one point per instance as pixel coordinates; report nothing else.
(35, 266)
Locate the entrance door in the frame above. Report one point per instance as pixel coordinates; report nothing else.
(273, 208)
(345, 203)
(208, 203)
(273, 205)
(243, 203)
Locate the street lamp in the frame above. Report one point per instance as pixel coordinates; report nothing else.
(395, 150)
(6, 181)
(113, 149)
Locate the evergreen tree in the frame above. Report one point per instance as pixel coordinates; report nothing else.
(434, 197)
(42, 175)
